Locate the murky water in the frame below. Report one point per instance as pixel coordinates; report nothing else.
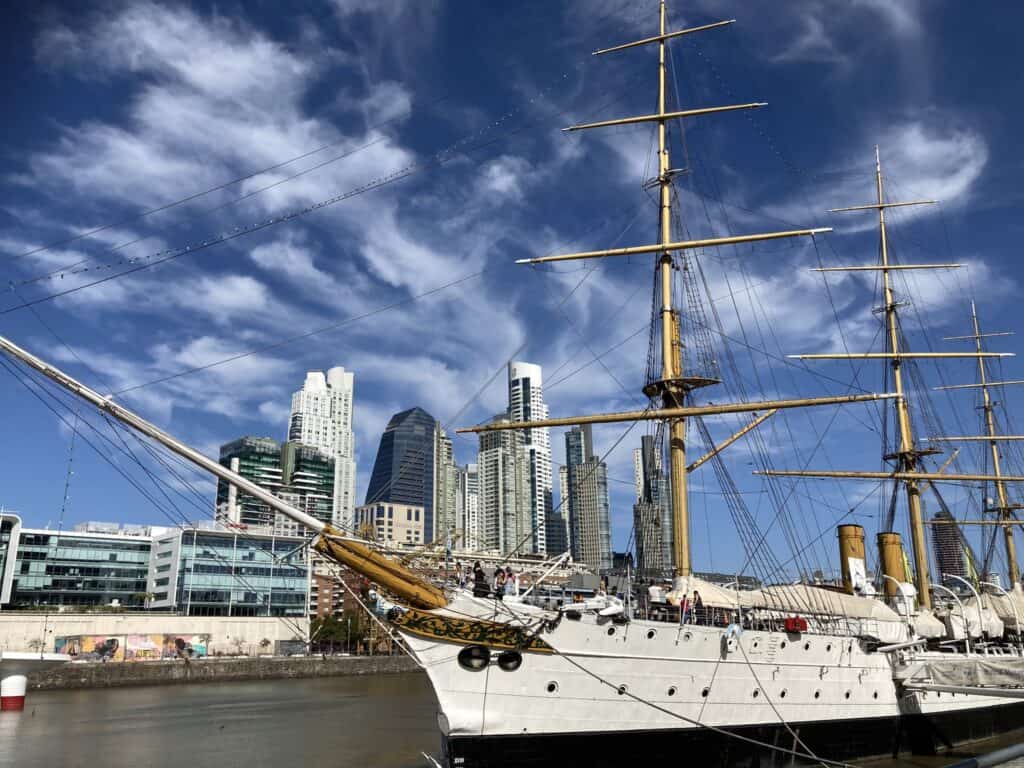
(363, 722)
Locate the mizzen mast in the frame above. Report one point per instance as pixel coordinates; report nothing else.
(993, 438)
(908, 456)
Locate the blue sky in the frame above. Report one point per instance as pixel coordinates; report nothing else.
(116, 109)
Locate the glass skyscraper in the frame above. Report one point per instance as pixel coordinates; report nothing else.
(403, 471)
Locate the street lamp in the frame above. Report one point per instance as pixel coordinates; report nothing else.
(963, 614)
(1016, 616)
(981, 617)
(906, 603)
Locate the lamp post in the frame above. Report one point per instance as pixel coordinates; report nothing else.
(965, 582)
(1016, 616)
(963, 614)
(906, 604)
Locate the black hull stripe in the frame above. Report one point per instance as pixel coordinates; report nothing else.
(830, 739)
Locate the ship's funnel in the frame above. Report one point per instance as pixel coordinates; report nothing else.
(851, 558)
(890, 556)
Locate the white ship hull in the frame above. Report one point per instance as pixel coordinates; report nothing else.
(670, 686)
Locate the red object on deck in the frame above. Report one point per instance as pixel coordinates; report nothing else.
(796, 624)
(12, 703)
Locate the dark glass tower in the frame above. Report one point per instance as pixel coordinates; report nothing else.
(404, 469)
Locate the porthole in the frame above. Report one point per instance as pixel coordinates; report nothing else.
(611, 631)
(622, 690)
(651, 634)
(807, 646)
(672, 690)
(705, 692)
(828, 647)
(817, 694)
(757, 643)
(874, 695)
(782, 644)
(757, 692)
(782, 693)
(846, 695)
(687, 636)
(552, 687)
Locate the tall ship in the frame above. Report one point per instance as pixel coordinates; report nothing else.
(791, 672)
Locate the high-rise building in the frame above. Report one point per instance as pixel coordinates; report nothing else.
(526, 403)
(506, 522)
(652, 512)
(404, 470)
(322, 417)
(301, 475)
(949, 549)
(446, 489)
(589, 514)
(468, 507)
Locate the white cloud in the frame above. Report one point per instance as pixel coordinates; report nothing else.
(935, 160)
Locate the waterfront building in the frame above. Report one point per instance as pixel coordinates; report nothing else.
(505, 508)
(321, 416)
(300, 474)
(526, 403)
(652, 512)
(468, 507)
(949, 547)
(589, 513)
(392, 523)
(90, 566)
(210, 571)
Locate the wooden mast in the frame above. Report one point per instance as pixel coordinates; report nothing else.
(672, 390)
(1005, 509)
(990, 427)
(907, 456)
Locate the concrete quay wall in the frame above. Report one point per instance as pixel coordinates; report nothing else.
(115, 674)
(234, 635)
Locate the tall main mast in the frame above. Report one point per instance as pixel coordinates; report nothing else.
(672, 387)
(671, 354)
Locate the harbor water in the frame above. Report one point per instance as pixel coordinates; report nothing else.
(361, 721)
(379, 721)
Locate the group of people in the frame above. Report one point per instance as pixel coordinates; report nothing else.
(504, 582)
(691, 609)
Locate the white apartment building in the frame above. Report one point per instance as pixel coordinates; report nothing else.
(322, 417)
(506, 522)
(526, 403)
(468, 507)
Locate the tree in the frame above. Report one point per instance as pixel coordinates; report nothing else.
(265, 643)
(336, 633)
